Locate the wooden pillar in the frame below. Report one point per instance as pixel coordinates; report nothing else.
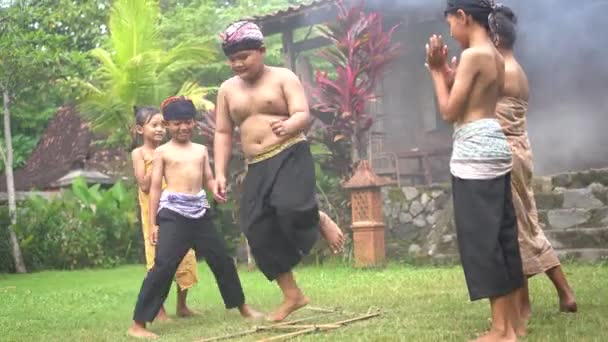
(367, 218)
(288, 50)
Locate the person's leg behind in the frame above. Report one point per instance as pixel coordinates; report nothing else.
(567, 301)
(210, 244)
(185, 278)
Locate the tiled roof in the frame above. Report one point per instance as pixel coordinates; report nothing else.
(67, 145)
(309, 13)
(293, 9)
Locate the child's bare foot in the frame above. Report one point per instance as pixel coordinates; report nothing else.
(139, 331)
(162, 316)
(497, 336)
(331, 232)
(522, 330)
(567, 303)
(248, 312)
(184, 311)
(288, 306)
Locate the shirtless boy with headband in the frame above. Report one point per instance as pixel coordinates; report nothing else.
(279, 212)
(181, 215)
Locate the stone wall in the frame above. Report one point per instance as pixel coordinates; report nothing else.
(572, 210)
(419, 223)
(574, 213)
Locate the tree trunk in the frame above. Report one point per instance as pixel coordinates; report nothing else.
(10, 185)
(354, 151)
(358, 148)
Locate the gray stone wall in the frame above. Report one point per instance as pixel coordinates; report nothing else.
(419, 222)
(574, 214)
(572, 211)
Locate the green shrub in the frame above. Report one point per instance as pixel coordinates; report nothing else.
(87, 227)
(82, 227)
(6, 258)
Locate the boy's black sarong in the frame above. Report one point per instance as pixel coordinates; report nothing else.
(486, 228)
(279, 213)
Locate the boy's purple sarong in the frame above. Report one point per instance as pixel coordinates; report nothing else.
(190, 206)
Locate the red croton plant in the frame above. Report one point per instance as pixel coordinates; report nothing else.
(361, 50)
(207, 130)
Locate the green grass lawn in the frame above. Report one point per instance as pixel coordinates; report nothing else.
(420, 304)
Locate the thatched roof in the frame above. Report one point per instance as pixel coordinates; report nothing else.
(66, 146)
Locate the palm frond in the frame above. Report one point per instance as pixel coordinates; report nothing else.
(198, 95)
(135, 70)
(134, 27)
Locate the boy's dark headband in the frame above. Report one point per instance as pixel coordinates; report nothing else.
(178, 108)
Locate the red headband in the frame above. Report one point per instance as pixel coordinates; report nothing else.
(172, 99)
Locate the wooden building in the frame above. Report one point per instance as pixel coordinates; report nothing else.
(568, 78)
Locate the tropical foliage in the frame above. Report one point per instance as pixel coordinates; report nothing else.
(207, 18)
(135, 69)
(107, 56)
(41, 52)
(36, 53)
(84, 226)
(361, 50)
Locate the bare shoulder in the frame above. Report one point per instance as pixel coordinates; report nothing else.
(513, 68)
(284, 73)
(516, 81)
(161, 150)
(199, 148)
(512, 71)
(228, 84)
(476, 55)
(136, 153)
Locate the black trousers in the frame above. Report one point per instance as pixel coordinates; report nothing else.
(279, 213)
(177, 234)
(486, 228)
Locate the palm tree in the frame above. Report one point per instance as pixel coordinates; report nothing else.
(134, 69)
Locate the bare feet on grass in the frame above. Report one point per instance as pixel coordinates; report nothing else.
(567, 302)
(522, 331)
(289, 305)
(185, 312)
(248, 312)
(139, 330)
(162, 316)
(331, 232)
(497, 336)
